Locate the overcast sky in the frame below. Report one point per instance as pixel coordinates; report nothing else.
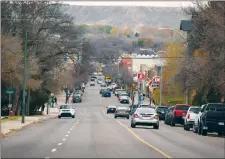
(132, 3)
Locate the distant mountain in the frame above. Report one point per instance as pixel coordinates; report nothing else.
(128, 16)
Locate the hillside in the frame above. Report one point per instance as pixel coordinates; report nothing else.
(131, 16)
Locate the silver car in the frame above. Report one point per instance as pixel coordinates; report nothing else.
(145, 117)
(122, 112)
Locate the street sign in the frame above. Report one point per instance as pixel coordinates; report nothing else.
(100, 70)
(108, 78)
(140, 76)
(10, 91)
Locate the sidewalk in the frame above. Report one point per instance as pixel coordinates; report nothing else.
(146, 99)
(15, 125)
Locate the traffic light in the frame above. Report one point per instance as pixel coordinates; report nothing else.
(133, 86)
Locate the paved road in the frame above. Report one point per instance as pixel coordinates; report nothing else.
(93, 134)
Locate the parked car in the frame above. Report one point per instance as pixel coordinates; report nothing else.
(176, 113)
(66, 111)
(145, 117)
(111, 109)
(101, 91)
(211, 118)
(166, 120)
(122, 112)
(77, 98)
(103, 85)
(106, 94)
(92, 83)
(189, 119)
(161, 111)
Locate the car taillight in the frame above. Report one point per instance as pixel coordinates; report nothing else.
(156, 116)
(174, 113)
(135, 116)
(188, 116)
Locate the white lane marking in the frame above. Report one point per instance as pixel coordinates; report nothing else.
(59, 144)
(63, 139)
(68, 132)
(53, 150)
(66, 135)
(71, 129)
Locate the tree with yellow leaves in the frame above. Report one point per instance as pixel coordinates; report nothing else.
(172, 91)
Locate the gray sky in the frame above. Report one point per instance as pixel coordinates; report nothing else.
(132, 3)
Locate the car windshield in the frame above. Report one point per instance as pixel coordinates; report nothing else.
(182, 107)
(194, 109)
(146, 110)
(163, 109)
(65, 107)
(216, 107)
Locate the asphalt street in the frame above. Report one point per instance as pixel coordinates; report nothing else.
(95, 134)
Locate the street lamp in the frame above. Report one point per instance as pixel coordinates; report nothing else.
(185, 40)
(183, 37)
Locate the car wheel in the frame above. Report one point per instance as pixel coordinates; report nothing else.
(172, 122)
(220, 133)
(194, 129)
(186, 127)
(203, 131)
(107, 113)
(128, 117)
(59, 117)
(133, 125)
(156, 126)
(165, 122)
(115, 116)
(73, 116)
(199, 129)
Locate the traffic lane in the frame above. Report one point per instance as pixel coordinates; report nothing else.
(98, 136)
(177, 143)
(39, 139)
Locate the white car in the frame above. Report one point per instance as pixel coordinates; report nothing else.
(123, 97)
(189, 118)
(114, 85)
(145, 117)
(66, 111)
(92, 83)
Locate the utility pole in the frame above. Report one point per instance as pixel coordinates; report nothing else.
(24, 77)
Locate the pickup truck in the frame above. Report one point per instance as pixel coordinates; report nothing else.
(189, 118)
(211, 118)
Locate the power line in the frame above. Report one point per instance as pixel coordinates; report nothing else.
(137, 58)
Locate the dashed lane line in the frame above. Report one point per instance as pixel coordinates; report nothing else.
(59, 144)
(53, 150)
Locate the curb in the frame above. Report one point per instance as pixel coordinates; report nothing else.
(25, 126)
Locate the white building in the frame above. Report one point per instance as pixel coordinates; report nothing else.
(146, 61)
